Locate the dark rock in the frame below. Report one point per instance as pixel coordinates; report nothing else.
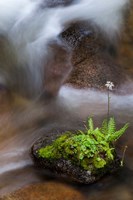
(94, 57)
(65, 168)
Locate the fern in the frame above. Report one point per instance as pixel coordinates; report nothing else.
(104, 128)
(111, 126)
(90, 124)
(92, 147)
(98, 135)
(118, 134)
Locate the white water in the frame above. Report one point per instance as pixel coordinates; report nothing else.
(74, 106)
(14, 147)
(29, 28)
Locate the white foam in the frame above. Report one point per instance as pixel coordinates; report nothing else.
(90, 102)
(29, 27)
(14, 165)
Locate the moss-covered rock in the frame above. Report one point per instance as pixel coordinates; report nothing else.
(66, 168)
(84, 156)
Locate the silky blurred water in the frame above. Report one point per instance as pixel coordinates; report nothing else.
(26, 56)
(16, 138)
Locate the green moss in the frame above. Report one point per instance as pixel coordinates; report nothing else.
(90, 149)
(47, 152)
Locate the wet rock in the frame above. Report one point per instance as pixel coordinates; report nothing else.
(93, 57)
(116, 192)
(46, 191)
(65, 168)
(125, 55)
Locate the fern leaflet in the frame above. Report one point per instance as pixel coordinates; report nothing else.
(91, 124)
(111, 126)
(117, 134)
(104, 128)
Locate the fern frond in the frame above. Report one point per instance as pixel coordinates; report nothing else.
(118, 134)
(81, 132)
(111, 126)
(91, 124)
(99, 136)
(104, 128)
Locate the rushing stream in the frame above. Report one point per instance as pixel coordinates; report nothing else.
(34, 64)
(16, 167)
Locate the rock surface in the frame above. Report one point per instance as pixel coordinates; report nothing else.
(85, 60)
(92, 59)
(65, 168)
(125, 53)
(46, 191)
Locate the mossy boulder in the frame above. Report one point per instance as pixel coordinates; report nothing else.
(66, 168)
(83, 156)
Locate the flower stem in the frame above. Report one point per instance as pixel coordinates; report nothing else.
(108, 114)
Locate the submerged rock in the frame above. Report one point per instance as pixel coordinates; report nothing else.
(45, 191)
(66, 168)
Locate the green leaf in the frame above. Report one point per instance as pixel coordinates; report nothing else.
(81, 132)
(90, 124)
(111, 126)
(118, 134)
(81, 156)
(99, 135)
(109, 154)
(104, 128)
(90, 149)
(99, 162)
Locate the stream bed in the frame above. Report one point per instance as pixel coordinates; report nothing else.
(17, 170)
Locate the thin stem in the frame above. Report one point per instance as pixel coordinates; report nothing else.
(123, 156)
(108, 114)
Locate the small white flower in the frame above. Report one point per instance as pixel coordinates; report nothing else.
(109, 85)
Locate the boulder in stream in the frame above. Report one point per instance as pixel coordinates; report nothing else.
(83, 156)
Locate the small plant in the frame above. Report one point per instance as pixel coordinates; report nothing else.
(90, 149)
(110, 86)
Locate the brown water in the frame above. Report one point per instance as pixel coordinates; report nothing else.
(19, 129)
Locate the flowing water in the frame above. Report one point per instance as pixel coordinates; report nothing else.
(26, 49)
(16, 167)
